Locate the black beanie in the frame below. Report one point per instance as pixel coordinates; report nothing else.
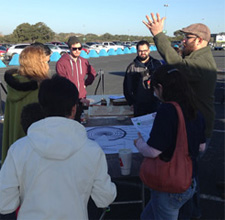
(73, 40)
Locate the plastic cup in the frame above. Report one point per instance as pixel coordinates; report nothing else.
(125, 158)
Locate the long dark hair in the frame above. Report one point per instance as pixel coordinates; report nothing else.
(175, 88)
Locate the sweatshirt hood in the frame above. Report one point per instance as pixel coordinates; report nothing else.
(18, 86)
(57, 138)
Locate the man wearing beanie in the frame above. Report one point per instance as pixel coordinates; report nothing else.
(78, 70)
(198, 64)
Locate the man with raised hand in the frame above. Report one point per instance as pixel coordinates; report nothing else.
(199, 66)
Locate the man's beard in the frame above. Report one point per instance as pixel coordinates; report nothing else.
(186, 51)
(143, 58)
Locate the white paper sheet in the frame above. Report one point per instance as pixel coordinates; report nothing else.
(113, 138)
(144, 124)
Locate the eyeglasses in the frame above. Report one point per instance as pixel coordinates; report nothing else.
(189, 37)
(76, 48)
(142, 51)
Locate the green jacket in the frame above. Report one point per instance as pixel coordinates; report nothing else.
(21, 91)
(201, 71)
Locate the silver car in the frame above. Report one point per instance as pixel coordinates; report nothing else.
(15, 49)
(55, 48)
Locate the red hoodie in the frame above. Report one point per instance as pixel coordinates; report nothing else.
(76, 72)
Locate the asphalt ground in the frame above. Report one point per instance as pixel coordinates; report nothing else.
(212, 182)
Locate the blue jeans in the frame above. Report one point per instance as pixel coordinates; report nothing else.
(164, 205)
(191, 209)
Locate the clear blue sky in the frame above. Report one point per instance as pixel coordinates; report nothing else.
(110, 16)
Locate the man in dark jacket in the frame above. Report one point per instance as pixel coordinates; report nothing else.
(136, 85)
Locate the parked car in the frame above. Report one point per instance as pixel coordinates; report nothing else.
(91, 43)
(6, 45)
(64, 47)
(3, 48)
(86, 48)
(129, 45)
(118, 43)
(97, 47)
(109, 45)
(55, 48)
(57, 43)
(14, 49)
(219, 47)
(2, 54)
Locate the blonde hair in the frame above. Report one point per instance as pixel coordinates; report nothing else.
(33, 63)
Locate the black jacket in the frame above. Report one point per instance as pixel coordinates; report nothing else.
(136, 85)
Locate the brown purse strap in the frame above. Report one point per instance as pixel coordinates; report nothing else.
(181, 142)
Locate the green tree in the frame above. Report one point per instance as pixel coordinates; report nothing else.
(107, 37)
(22, 33)
(41, 33)
(31, 33)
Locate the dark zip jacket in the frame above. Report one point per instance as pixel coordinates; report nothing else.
(136, 85)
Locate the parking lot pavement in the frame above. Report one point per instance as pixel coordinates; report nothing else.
(212, 164)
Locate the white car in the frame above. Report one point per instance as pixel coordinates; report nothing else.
(110, 45)
(55, 48)
(15, 49)
(64, 47)
(97, 47)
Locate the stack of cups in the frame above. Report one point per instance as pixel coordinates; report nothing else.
(125, 157)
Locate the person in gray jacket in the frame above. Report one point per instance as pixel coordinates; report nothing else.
(199, 66)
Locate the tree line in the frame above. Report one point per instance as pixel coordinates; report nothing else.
(40, 32)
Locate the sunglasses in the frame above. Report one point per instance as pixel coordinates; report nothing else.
(76, 48)
(189, 37)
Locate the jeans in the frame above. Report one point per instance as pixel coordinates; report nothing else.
(164, 205)
(191, 209)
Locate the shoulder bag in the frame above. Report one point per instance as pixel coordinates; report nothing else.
(174, 176)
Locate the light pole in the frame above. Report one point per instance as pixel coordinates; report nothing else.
(128, 34)
(166, 6)
(84, 38)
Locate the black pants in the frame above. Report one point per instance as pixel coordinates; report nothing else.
(79, 111)
(11, 216)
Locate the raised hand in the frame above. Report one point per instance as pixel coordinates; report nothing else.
(155, 25)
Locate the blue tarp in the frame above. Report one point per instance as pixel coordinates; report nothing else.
(133, 50)
(103, 53)
(112, 52)
(15, 60)
(55, 56)
(119, 51)
(2, 65)
(84, 54)
(126, 50)
(93, 53)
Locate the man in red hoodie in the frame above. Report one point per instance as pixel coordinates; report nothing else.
(78, 70)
